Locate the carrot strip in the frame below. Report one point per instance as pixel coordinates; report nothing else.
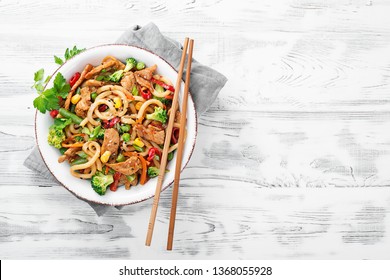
(73, 145)
(130, 154)
(142, 180)
(66, 144)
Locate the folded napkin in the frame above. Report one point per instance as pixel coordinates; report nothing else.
(205, 84)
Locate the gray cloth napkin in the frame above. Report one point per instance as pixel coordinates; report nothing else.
(205, 85)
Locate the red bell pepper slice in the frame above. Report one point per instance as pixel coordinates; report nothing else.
(164, 85)
(114, 185)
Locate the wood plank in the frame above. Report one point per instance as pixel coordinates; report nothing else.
(229, 221)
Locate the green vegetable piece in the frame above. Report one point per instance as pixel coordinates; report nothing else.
(130, 64)
(120, 158)
(138, 148)
(39, 87)
(126, 137)
(100, 182)
(97, 132)
(103, 71)
(134, 91)
(56, 132)
(58, 60)
(140, 65)
(55, 137)
(79, 161)
(116, 76)
(61, 123)
(69, 53)
(61, 86)
(124, 128)
(153, 172)
(170, 156)
(48, 99)
(158, 115)
(99, 78)
(163, 100)
(65, 113)
(93, 96)
(131, 178)
(159, 88)
(85, 130)
(63, 150)
(82, 154)
(38, 76)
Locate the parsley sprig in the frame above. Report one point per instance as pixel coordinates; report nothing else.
(69, 53)
(48, 98)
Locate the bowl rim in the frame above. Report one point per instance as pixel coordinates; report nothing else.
(163, 187)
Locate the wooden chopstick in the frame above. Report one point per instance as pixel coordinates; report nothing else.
(179, 156)
(167, 141)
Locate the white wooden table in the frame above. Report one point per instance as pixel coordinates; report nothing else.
(292, 160)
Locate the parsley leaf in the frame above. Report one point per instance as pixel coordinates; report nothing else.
(48, 99)
(69, 53)
(40, 103)
(38, 76)
(58, 60)
(61, 123)
(61, 86)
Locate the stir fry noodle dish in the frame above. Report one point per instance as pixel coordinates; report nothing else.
(109, 122)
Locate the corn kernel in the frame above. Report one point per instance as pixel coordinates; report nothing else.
(138, 142)
(117, 102)
(76, 98)
(104, 158)
(138, 105)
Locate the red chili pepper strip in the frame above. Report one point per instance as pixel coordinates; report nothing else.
(164, 85)
(152, 153)
(146, 94)
(114, 185)
(175, 135)
(74, 78)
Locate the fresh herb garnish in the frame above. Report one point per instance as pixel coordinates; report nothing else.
(48, 99)
(69, 53)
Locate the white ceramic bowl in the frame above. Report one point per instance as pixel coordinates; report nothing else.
(82, 188)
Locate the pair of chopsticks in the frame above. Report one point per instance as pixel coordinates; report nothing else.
(180, 147)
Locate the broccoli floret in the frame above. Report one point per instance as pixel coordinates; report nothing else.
(116, 76)
(97, 133)
(163, 100)
(100, 182)
(55, 137)
(158, 115)
(130, 64)
(153, 171)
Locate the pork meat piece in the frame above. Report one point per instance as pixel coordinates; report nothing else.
(83, 105)
(111, 141)
(128, 81)
(128, 167)
(150, 133)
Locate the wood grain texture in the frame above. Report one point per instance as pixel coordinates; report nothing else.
(291, 160)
